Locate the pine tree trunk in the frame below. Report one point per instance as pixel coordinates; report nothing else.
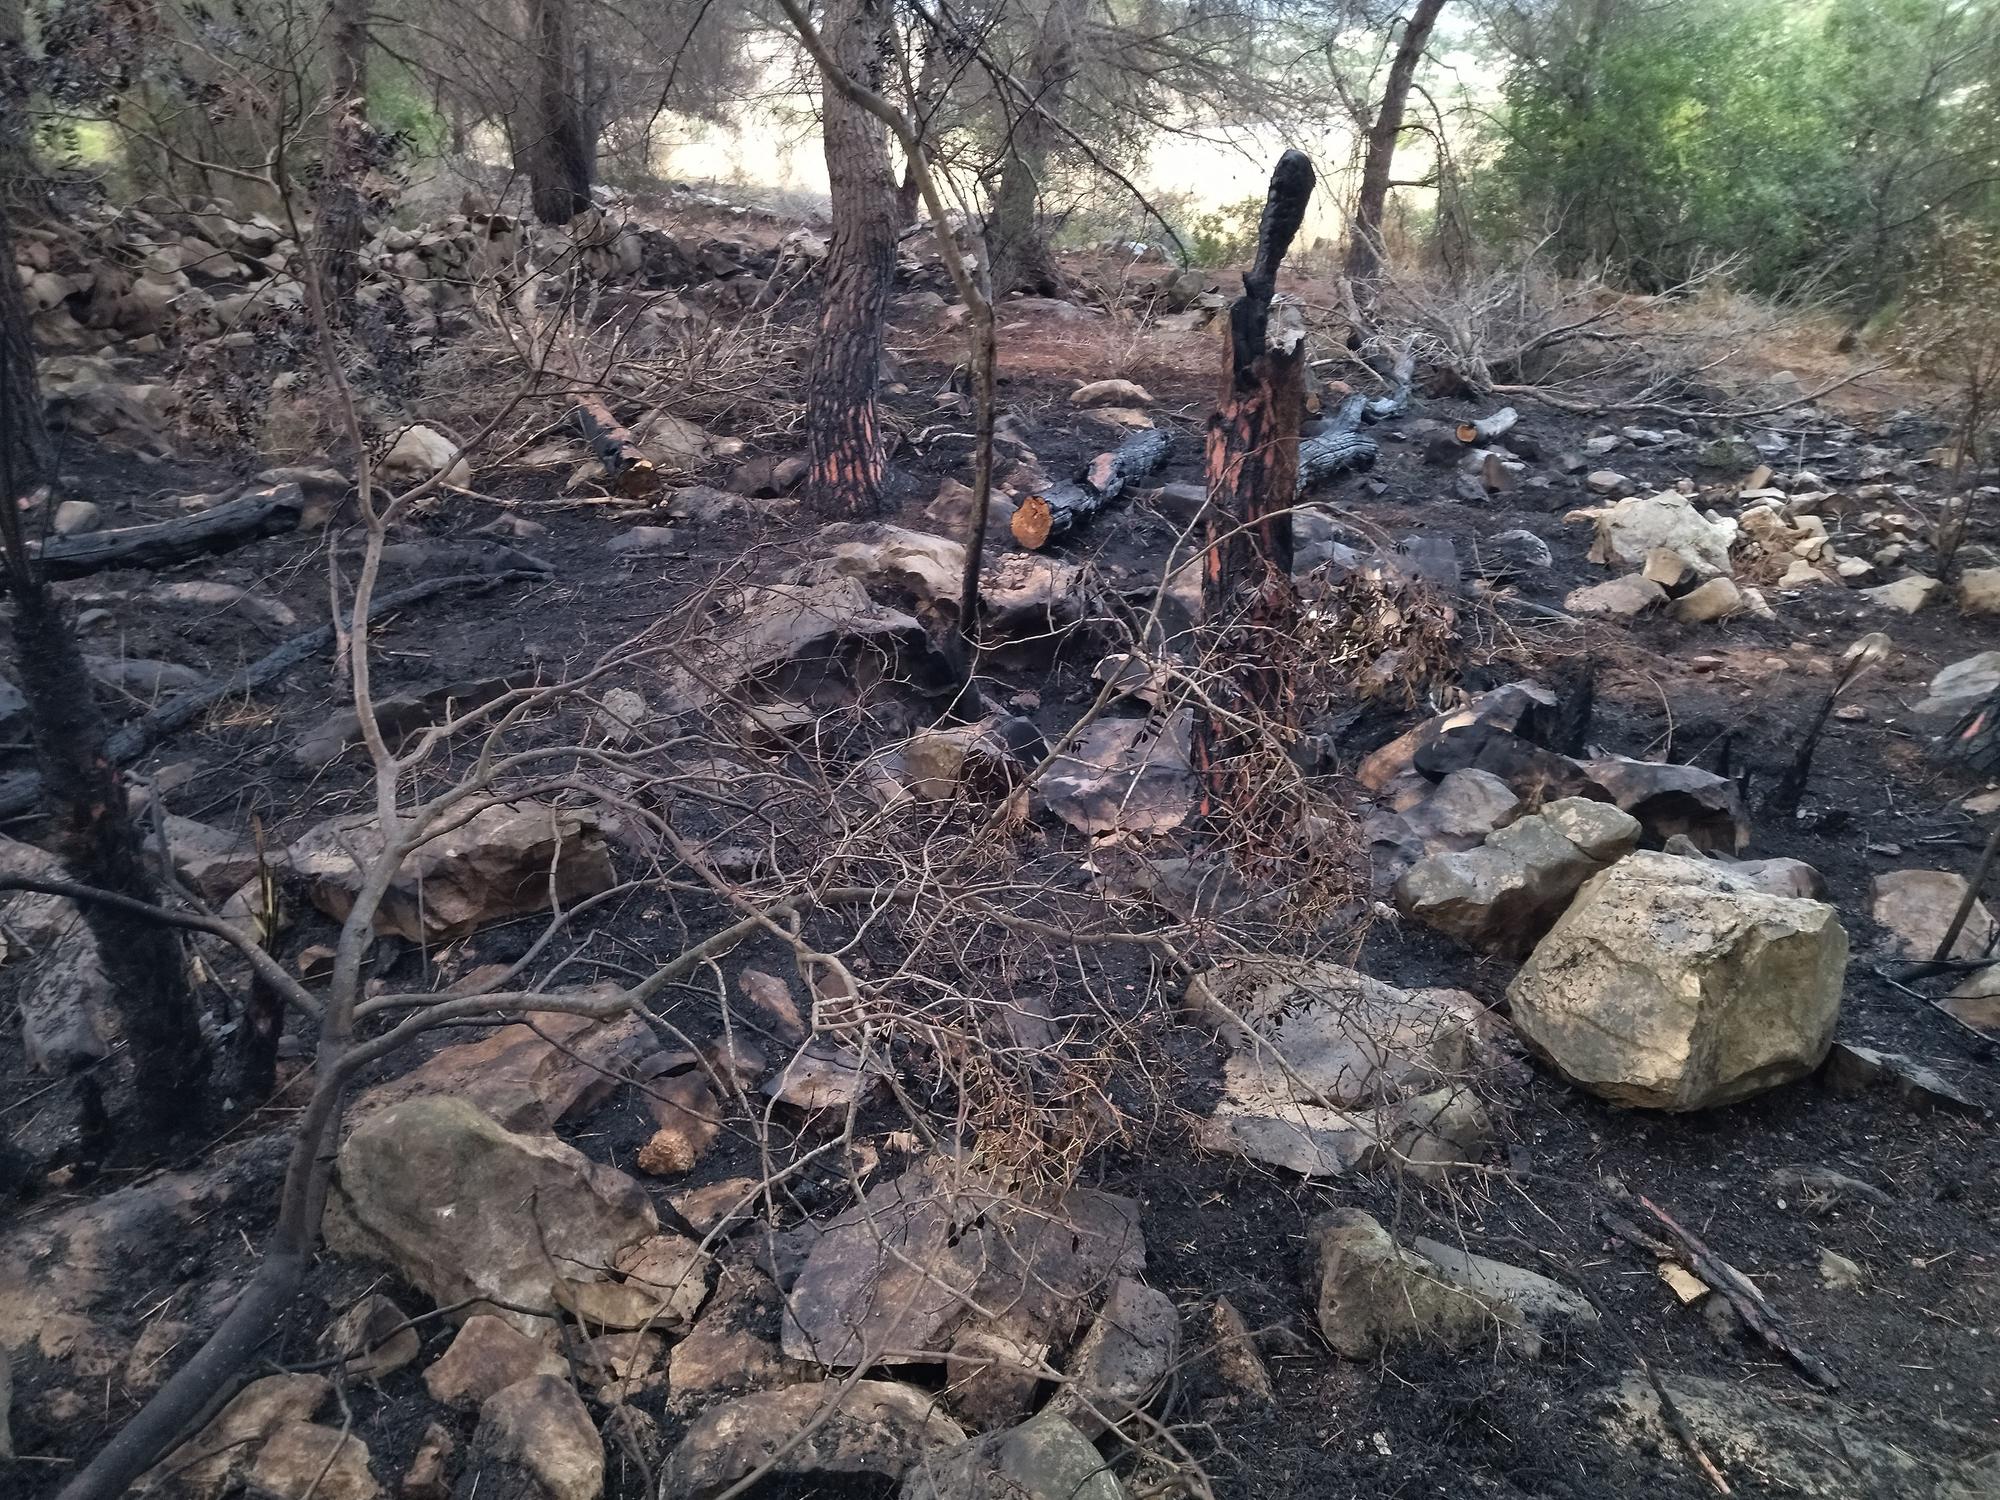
(1364, 234)
(559, 155)
(842, 429)
(1249, 605)
(1018, 250)
(81, 788)
(338, 212)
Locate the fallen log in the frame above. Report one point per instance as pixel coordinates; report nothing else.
(1485, 429)
(234, 523)
(1333, 453)
(1063, 507)
(630, 474)
(20, 793)
(1401, 378)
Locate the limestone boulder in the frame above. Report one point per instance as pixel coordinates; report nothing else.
(1671, 984)
(1627, 531)
(1505, 894)
(466, 1208)
(1124, 1360)
(420, 452)
(540, 1426)
(1372, 1295)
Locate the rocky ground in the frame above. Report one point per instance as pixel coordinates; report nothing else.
(1559, 1120)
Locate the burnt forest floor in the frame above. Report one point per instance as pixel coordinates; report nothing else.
(1916, 1350)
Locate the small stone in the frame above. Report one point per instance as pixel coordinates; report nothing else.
(1683, 1283)
(1237, 1361)
(1841, 1274)
(1608, 482)
(303, 1459)
(427, 1477)
(73, 516)
(620, 714)
(1123, 1360)
(1716, 599)
(375, 1337)
(1665, 567)
(641, 540)
(1372, 1295)
(1110, 393)
(1620, 598)
(991, 1379)
(1979, 591)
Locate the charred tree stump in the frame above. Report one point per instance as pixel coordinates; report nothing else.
(1248, 600)
(1061, 508)
(1484, 430)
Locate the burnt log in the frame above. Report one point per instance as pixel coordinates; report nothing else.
(235, 523)
(629, 472)
(1061, 508)
(1332, 454)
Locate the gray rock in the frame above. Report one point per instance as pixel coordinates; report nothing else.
(1503, 895)
(1123, 1360)
(1671, 984)
(541, 1426)
(1511, 553)
(1627, 531)
(1465, 807)
(1851, 1069)
(485, 1356)
(1916, 906)
(640, 540)
(1373, 1295)
(1961, 687)
(74, 516)
(1618, 598)
(1668, 798)
(305, 1461)
(1540, 1300)
(873, 1428)
(1044, 1459)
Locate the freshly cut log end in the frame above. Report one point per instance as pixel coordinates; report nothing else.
(627, 470)
(1033, 521)
(1485, 429)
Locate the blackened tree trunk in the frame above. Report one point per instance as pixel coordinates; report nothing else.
(559, 153)
(20, 187)
(1364, 234)
(338, 208)
(842, 429)
(1017, 245)
(81, 789)
(1249, 605)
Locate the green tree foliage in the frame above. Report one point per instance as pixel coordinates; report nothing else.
(1818, 140)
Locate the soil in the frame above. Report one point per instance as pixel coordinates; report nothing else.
(1914, 1350)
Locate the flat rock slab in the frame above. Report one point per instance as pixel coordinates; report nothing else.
(893, 1278)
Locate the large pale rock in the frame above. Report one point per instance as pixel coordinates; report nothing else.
(500, 862)
(465, 1208)
(540, 1425)
(1979, 591)
(1906, 594)
(419, 452)
(870, 1428)
(1627, 531)
(1372, 1294)
(1671, 984)
(1043, 1459)
(1505, 894)
(893, 1279)
(932, 568)
(1917, 907)
(1332, 1070)
(813, 636)
(1717, 599)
